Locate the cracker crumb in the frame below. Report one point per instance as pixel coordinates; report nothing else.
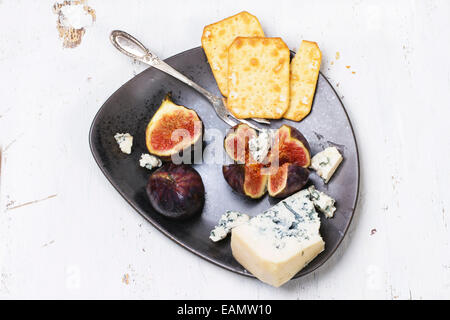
(126, 279)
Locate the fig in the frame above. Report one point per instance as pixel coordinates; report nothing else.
(172, 130)
(255, 182)
(234, 175)
(285, 172)
(176, 191)
(246, 179)
(290, 147)
(289, 178)
(236, 142)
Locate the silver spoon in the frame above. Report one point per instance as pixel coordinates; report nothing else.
(133, 48)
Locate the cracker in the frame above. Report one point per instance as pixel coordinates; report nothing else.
(258, 81)
(305, 68)
(218, 36)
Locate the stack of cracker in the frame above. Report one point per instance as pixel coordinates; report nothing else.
(254, 72)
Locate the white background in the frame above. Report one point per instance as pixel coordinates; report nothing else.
(82, 242)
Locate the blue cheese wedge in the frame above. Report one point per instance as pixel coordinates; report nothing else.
(228, 221)
(148, 161)
(322, 202)
(259, 146)
(125, 142)
(279, 242)
(326, 162)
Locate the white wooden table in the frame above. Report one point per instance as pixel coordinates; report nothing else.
(66, 233)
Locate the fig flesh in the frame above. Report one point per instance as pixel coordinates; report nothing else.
(176, 191)
(289, 178)
(236, 142)
(172, 130)
(290, 147)
(247, 179)
(284, 173)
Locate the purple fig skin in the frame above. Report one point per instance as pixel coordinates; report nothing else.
(234, 175)
(297, 177)
(176, 191)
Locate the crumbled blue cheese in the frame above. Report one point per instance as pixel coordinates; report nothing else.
(326, 162)
(260, 145)
(149, 161)
(228, 221)
(279, 242)
(322, 202)
(125, 141)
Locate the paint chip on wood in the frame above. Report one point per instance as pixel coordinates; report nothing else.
(73, 19)
(48, 243)
(10, 205)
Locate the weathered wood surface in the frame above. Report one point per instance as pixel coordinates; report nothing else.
(66, 233)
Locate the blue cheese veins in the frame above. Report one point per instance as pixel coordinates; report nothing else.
(281, 241)
(149, 161)
(125, 142)
(228, 221)
(322, 202)
(326, 162)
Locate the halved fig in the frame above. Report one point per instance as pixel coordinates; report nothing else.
(290, 147)
(236, 142)
(248, 179)
(172, 130)
(289, 178)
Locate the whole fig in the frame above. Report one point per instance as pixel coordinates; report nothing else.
(176, 191)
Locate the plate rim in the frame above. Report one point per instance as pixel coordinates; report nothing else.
(168, 234)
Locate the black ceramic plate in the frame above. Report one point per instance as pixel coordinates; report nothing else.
(130, 108)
